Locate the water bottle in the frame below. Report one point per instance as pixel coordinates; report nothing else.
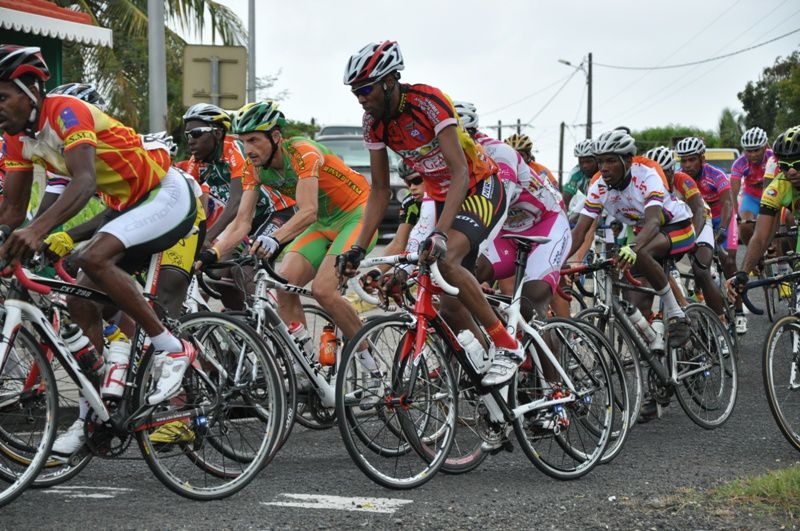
(327, 346)
(303, 339)
(641, 324)
(117, 361)
(85, 354)
(475, 351)
(658, 327)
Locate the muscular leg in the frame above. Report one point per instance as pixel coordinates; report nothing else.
(701, 266)
(326, 291)
(297, 270)
(171, 290)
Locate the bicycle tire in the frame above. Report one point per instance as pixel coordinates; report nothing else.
(19, 434)
(712, 390)
(395, 454)
(560, 449)
(771, 293)
(257, 399)
(781, 379)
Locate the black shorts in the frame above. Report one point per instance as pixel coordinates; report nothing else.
(271, 222)
(480, 216)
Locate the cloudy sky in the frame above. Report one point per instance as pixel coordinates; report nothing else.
(503, 55)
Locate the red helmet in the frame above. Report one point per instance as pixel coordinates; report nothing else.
(16, 61)
(372, 62)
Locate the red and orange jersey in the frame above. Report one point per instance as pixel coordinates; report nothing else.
(541, 169)
(341, 189)
(423, 113)
(125, 172)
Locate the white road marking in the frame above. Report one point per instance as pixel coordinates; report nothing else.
(341, 503)
(81, 491)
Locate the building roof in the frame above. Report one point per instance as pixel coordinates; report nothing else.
(44, 18)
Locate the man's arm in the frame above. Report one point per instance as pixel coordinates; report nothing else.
(762, 236)
(459, 177)
(726, 209)
(229, 212)
(307, 197)
(736, 185)
(16, 195)
(378, 200)
(651, 227)
(698, 212)
(580, 231)
(240, 226)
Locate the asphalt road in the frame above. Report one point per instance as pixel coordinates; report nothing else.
(313, 484)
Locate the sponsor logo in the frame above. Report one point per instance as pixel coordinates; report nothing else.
(79, 136)
(67, 119)
(772, 192)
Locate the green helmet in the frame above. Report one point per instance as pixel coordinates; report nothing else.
(258, 116)
(787, 145)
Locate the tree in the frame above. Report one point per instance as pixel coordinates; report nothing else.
(730, 128)
(121, 72)
(773, 102)
(667, 136)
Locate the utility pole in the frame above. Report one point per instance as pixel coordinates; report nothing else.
(519, 126)
(499, 130)
(561, 156)
(251, 51)
(157, 66)
(589, 98)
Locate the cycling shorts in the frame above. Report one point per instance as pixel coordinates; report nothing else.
(154, 223)
(331, 236)
(706, 236)
(182, 256)
(731, 241)
(544, 261)
(750, 203)
(680, 235)
(480, 217)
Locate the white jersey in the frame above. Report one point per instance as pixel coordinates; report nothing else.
(645, 189)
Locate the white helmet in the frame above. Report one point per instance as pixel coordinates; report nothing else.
(468, 114)
(584, 148)
(691, 145)
(372, 62)
(662, 155)
(617, 141)
(754, 138)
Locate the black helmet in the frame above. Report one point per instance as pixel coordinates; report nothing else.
(787, 145)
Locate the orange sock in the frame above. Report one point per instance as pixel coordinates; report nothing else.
(500, 336)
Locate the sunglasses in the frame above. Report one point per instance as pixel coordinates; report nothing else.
(364, 90)
(786, 166)
(414, 181)
(197, 132)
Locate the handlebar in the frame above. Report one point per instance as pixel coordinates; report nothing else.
(355, 285)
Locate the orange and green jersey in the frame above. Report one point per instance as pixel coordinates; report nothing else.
(341, 189)
(125, 172)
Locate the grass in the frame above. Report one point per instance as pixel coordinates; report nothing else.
(776, 492)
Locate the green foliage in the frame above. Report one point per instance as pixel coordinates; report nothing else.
(777, 489)
(296, 128)
(773, 102)
(667, 136)
(730, 128)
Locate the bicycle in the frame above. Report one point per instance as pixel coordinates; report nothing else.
(232, 389)
(702, 374)
(562, 425)
(781, 361)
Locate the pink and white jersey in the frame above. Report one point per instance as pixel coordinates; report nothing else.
(645, 189)
(713, 182)
(532, 198)
(753, 174)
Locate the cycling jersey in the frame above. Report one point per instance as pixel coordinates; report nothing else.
(646, 188)
(685, 188)
(125, 171)
(409, 210)
(229, 163)
(780, 193)
(511, 167)
(752, 174)
(541, 169)
(341, 189)
(577, 182)
(712, 182)
(424, 112)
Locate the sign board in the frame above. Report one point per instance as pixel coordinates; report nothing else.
(214, 74)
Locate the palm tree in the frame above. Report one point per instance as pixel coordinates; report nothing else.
(120, 73)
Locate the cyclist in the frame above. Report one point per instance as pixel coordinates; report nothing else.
(700, 258)
(581, 174)
(534, 210)
(782, 192)
(152, 206)
(635, 194)
(715, 187)
(330, 206)
(523, 145)
(420, 124)
(749, 169)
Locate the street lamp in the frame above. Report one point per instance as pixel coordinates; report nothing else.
(588, 72)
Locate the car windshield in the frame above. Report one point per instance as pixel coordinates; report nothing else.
(353, 152)
(341, 130)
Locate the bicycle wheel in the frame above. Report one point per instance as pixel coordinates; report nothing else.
(310, 411)
(28, 414)
(622, 414)
(781, 373)
(233, 404)
(566, 440)
(625, 348)
(706, 370)
(771, 293)
(403, 440)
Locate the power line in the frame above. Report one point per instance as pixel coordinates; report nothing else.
(535, 116)
(532, 94)
(693, 63)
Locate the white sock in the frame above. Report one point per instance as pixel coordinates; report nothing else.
(166, 342)
(83, 408)
(367, 361)
(671, 306)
